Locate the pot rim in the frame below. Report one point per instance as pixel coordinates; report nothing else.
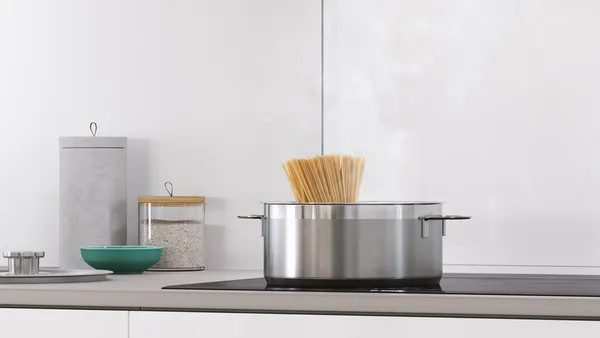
(359, 203)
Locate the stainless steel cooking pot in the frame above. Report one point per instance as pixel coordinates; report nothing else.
(373, 244)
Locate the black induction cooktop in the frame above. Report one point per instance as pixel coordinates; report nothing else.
(466, 284)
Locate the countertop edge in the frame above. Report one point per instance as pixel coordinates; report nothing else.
(307, 303)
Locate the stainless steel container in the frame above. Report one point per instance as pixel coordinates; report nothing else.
(23, 262)
(374, 244)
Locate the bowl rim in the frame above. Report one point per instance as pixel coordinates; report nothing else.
(122, 247)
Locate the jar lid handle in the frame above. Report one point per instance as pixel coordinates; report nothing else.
(169, 190)
(93, 128)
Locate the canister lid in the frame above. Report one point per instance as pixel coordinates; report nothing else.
(93, 142)
(23, 254)
(172, 199)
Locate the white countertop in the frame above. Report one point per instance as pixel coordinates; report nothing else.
(143, 292)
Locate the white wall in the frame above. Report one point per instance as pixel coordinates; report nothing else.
(488, 105)
(213, 95)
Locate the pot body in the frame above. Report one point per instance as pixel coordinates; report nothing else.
(353, 245)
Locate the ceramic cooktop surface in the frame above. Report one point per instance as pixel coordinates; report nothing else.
(470, 284)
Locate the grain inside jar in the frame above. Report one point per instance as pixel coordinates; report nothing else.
(177, 224)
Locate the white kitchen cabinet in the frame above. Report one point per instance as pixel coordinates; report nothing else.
(36, 323)
(226, 325)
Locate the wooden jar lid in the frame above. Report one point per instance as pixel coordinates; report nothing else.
(172, 199)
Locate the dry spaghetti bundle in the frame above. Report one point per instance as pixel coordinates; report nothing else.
(325, 179)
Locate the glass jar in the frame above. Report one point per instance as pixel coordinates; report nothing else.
(177, 224)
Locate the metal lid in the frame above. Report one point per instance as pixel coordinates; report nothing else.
(23, 254)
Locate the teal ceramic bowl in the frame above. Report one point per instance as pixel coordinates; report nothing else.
(126, 259)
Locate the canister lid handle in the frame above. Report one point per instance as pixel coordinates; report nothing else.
(93, 128)
(169, 188)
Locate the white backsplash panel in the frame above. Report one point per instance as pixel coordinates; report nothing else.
(491, 106)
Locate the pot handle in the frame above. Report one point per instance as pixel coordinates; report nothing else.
(443, 218)
(251, 216)
(261, 217)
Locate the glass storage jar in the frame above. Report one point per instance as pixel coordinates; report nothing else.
(177, 224)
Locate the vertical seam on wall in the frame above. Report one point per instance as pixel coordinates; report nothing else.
(322, 77)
